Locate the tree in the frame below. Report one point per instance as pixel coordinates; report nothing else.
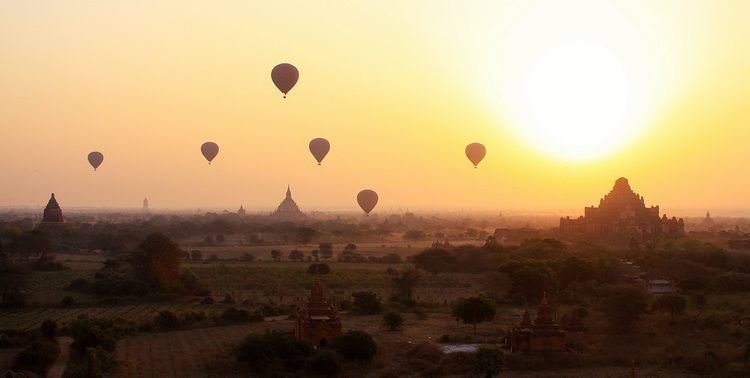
(488, 360)
(326, 250)
(355, 346)
(31, 243)
(273, 352)
(305, 235)
(315, 254)
(275, 254)
(208, 239)
(323, 364)
(366, 303)
(474, 310)
(296, 255)
(574, 269)
(157, 261)
(404, 283)
(435, 260)
(393, 320)
(319, 268)
(414, 235)
(196, 255)
(220, 238)
(674, 304)
(623, 305)
(530, 279)
(391, 258)
(350, 247)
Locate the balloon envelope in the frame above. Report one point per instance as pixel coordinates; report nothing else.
(319, 148)
(367, 200)
(95, 159)
(475, 152)
(209, 150)
(285, 76)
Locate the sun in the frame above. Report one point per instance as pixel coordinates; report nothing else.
(575, 85)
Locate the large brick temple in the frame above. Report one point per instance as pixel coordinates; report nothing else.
(53, 212)
(623, 212)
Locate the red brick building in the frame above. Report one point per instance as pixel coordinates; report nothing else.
(543, 335)
(318, 321)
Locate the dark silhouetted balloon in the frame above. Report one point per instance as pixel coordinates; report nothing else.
(209, 150)
(95, 159)
(285, 76)
(367, 200)
(475, 152)
(319, 148)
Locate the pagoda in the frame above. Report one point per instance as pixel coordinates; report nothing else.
(543, 335)
(623, 212)
(318, 321)
(288, 209)
(53, 212)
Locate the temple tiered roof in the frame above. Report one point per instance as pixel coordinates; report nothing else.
(288, 209)
(53, 212)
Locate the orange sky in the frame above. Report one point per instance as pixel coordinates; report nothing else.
(399, 88)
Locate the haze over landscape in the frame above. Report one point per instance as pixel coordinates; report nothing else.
(658, 93)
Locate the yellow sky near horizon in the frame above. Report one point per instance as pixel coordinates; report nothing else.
(398, 88)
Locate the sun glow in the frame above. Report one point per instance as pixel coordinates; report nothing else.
(576, 85)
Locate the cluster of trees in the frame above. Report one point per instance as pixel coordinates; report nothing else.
(280, 354)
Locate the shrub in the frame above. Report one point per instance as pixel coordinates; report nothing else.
(488, 360)
(79, 284)
(47, 264)
(320, 268)
(236, 315)
(92, 333)
(167, 320)
(37, 358)
(355, 346)
(674, 304)
(393, 320)
(366, 303)
(273, 352)
(207, 300)
(49, 329)
(228, 299)
(5, 341)
(67, 301)
(323, 363)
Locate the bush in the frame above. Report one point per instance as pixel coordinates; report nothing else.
(96, 362)
(5, 341)
(674, 304)
(228, 299)
(79, 284)
(37, 358)
(366, 303)
(319, 268)
(207, 300)
(323, 364)
(92, 333)
(47, 264)
(488, 360)
(236, 315)
(393, 320)
(167, 320)
(49, 329)
(355, 346)
(273, 352)
(67, 301)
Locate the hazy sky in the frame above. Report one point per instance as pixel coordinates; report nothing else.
(566, 96)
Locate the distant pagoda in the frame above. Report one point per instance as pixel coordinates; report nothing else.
(53, 212)
(318, 321)
(241, 212)
(623, 212)
(145, 206)
(288, 209)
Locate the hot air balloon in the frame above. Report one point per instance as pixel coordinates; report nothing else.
(209, 150)
(367, 200)
(95, 159)
(285, 76)
(319, 147)
(475, 152)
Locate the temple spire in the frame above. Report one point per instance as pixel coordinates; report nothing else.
(288, 191)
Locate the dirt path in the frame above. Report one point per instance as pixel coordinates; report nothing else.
(58, 368)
